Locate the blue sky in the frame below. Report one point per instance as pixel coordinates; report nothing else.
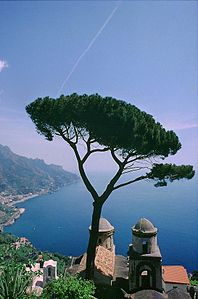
(143, 52)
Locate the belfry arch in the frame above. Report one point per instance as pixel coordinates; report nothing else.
(144, 258)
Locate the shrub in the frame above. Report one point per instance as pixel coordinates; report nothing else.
(69, 288)
(14, 280)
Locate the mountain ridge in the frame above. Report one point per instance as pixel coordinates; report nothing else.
(22, 175)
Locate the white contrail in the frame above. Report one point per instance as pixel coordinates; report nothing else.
(89, 47)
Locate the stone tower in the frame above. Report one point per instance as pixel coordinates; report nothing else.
(145, 271)
(105, 234)
(49, 271)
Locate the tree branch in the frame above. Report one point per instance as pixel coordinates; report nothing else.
(67, 139)
(76, 134)
(105, 149)
(115, 158)
(132, 181)
(67, 131)
(110, 186)
(141, 157)
(133, 169)
(85, 179)
(80, 132)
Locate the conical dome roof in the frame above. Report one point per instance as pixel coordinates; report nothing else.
(144, 226)
(104, 226)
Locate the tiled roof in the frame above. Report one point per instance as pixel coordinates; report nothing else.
(121, 267)
(175, 274)
(105, 261)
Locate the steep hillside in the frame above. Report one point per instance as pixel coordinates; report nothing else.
(21, 175)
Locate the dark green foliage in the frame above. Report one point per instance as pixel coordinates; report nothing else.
(27, 254)
(6, 212)
(170, 172)
(69, 288)
(14, 280)
(20, 175)
(110, 122)
(195, 275)
(30, 296)
(194, 278)
(7, 238)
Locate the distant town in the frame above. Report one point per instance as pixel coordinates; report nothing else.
(23, 178)
(8, 212)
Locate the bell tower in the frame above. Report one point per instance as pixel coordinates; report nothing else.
(145, 271)
(49, 271)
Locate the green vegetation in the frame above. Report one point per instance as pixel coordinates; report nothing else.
(9, 253)
(194, 278)
(69, 288)
(26, 253)
(132, 138)
(15, 255)
(194, 282)
(14, 280)
(5, 213)
(6, 238)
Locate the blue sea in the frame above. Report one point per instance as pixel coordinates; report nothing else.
(59, 221)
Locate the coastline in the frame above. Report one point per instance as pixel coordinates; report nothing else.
(13, 203)
(12, 200)
(14, 217)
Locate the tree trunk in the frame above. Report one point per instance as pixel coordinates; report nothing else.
(91, 250)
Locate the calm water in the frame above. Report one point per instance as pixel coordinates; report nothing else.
(59, 222)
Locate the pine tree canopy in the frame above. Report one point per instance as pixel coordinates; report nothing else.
(110, 122)
(171, 172)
